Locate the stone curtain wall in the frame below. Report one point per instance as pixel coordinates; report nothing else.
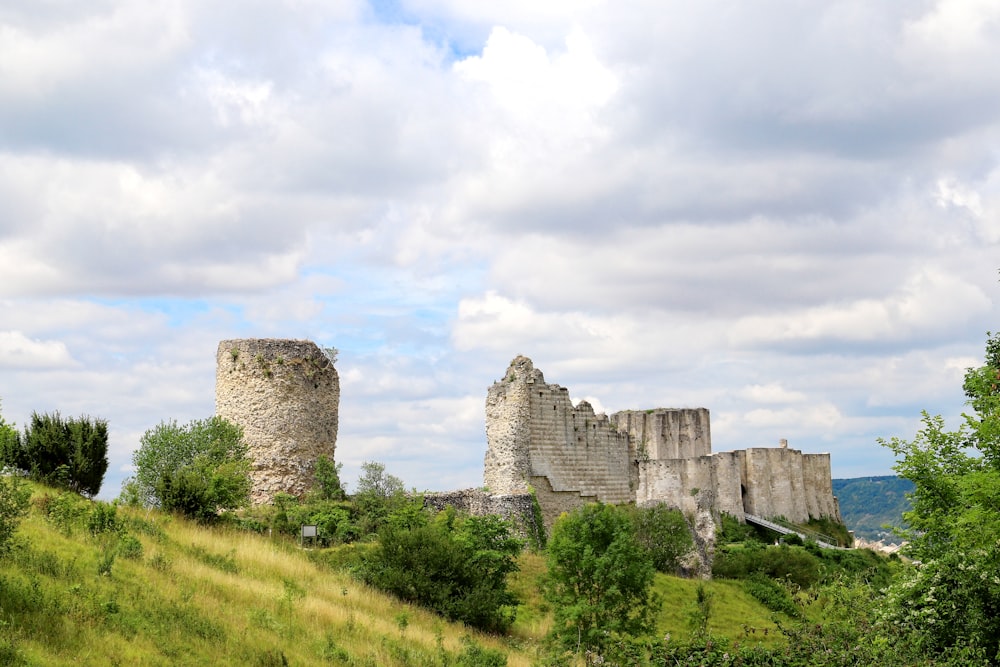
(666, 433)
(537, 441)
(285, 394)
(517, 508)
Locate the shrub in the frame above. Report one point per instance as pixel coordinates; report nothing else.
(328, 485)
(455, 566)
(66, 511)
(474, 655)
(771, 594)
(71, 453)
(14, 497)
(199, 469)
(794, 564)
(664, 534)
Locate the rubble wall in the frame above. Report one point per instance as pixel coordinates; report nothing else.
(285, 394)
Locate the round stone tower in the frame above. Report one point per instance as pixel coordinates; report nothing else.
(285, 394)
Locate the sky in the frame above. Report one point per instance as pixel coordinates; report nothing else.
(785, 212)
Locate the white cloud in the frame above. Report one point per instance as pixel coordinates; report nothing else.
(19, 351)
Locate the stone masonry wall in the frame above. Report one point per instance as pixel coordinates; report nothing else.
(285, 394)
(666, 433)
(537, 440)
(517, 508)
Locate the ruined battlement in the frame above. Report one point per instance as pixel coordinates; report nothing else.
(538, 441)
(285, 394)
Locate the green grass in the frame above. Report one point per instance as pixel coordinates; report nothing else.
(177, 592)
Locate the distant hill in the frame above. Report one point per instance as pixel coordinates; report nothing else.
(869, 503)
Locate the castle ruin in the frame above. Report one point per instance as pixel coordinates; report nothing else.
(539, 442)
(285, 395)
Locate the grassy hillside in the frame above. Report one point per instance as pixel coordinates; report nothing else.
(869, 503)
(84, 586)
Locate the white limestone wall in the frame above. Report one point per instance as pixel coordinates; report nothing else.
(285, 394)
(666, 433)
(693, 484)
(816, 475)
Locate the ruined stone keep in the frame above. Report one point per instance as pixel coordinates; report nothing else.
(285, 394)
(537, 440)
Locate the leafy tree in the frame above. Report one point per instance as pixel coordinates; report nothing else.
(379, 494)
(198, 469)
(328, 484)
(599, 580)
(10, 444)
(457, 566)
(14, 497)
(664, 534)
(71, 453)
(953, 599)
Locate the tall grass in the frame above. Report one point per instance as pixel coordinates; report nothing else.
(176, 592)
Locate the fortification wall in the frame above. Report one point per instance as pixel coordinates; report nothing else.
(775, 484)
(666, 433)
(285, 394)
(538, 439)
(816, 475)
(507, 468)
(516, 508)
(693, 484)
(570, 456)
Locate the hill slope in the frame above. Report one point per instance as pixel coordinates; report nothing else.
(88, 584)
(869, 503)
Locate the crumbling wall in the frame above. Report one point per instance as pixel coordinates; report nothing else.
(516, 508)
(537, 439)
(285, 395)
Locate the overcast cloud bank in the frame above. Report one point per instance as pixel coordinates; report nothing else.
(789, 215)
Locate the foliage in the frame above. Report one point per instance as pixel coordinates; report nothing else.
(870, 504)
(599, 579)
(784, 562)
(731, 530)
(378, 495)
(14, 497)
(474, 655)
(664, 534)
(456, 566)
(953, 599)
(328, 484)
(198, 469)
(771, 594)
(71, 453)
(10, 444)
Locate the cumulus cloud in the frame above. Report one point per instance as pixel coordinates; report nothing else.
(19, 351)
(786, 215)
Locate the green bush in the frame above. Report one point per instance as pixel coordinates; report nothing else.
(783, 562)
(14, 497)
(664, 534)
(199, 469)
(474, 655)
(456, 566)
(771, 594)
(71, 453)
(66, 511)
(599, 579)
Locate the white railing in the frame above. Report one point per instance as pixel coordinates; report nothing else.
(784, 530)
